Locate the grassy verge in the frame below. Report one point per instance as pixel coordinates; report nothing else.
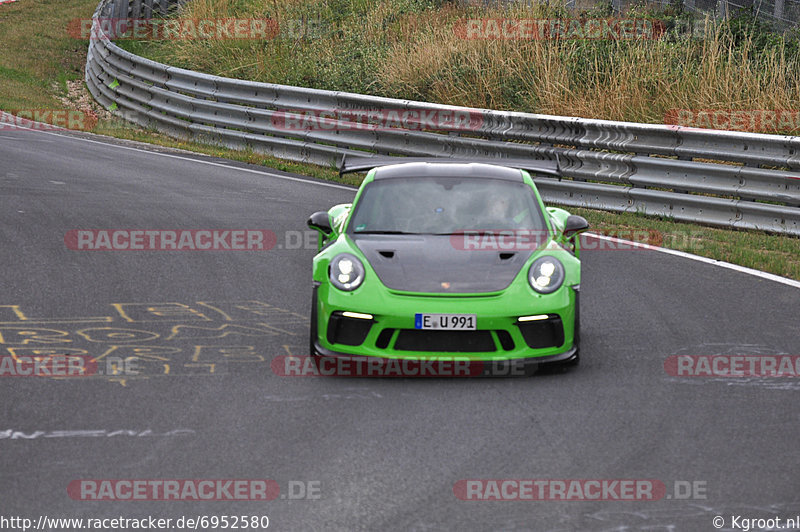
(42, 67)
(770, 253)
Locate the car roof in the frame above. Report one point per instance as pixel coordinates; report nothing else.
(448, 169)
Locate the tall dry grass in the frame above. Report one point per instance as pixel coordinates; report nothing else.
(409, 49)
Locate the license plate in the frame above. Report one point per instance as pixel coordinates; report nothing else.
(445, 322)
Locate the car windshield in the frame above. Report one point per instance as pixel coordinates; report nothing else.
(445, 205)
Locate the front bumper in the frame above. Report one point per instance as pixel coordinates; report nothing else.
(335, 363)
(499, 337)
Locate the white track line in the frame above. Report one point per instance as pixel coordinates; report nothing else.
(698, 258)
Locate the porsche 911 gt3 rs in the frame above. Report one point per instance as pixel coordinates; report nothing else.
(442, 258)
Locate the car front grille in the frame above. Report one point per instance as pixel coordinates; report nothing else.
(444, 341)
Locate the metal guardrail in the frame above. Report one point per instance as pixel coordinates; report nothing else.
(722, 178)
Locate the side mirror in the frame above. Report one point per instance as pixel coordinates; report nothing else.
(321, 222)
(574, 226)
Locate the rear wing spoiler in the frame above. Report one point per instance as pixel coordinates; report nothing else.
(364, 164)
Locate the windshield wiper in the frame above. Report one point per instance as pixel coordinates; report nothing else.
(384, 233)
(479, 232)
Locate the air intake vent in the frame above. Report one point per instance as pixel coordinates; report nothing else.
(347, 331)
(445, 341)
(384, 338)
(543, 333)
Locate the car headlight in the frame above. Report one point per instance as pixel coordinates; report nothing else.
(346, 272)
(546, 274)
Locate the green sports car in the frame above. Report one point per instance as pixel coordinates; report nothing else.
(443, 259)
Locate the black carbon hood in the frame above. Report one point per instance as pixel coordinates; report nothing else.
(437, 264)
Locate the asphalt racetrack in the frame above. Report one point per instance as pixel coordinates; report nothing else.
(204, 402)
